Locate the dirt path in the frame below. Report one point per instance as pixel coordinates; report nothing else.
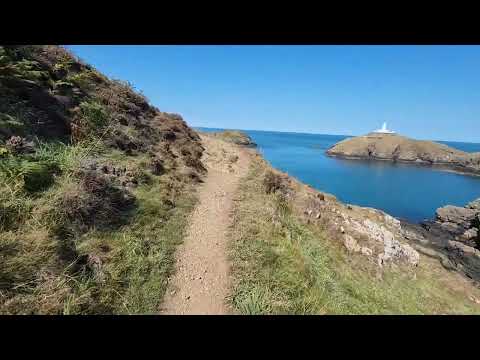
(201, 282)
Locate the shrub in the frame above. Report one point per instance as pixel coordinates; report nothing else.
(272, 182)
(65, 157)
(14, 208)
(32, 176)
(64, 62)
(94, 201)
(94, 113)
(91, 117)
(38, 176)
(10, 125)
(11, 66)
(85, 79)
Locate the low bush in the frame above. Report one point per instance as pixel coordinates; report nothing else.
(94, 113)
(12, 64)
(38, 176)
(272, 182)
(85, 80)
(9, 125)
(91, 118)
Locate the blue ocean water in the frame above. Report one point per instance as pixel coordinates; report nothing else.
(405, 191)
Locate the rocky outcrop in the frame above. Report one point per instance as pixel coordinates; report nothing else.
(474, 205)
(457, 224)
(397, 148)
(452, 237)
(368, 232)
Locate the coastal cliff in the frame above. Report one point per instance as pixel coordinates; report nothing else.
(396, 148)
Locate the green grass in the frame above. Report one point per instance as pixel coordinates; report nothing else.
(136, 256)
(282, 266)
(140, 256)
(74, 240)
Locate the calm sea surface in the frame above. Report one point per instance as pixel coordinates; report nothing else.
(405, 191)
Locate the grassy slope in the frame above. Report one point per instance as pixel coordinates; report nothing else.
(234, 136)
(74, 247)
(281, 265)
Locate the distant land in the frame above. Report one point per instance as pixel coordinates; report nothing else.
(393, 147)
(466, 146)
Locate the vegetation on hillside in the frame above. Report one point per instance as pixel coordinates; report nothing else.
(95, 188)
(282, 265)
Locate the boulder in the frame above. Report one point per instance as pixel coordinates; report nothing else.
(455, 234)
(475, 205)
(470, 234)
(460, 216)
(351, 244)
(464, 249)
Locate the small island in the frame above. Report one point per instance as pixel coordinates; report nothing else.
(384, 144)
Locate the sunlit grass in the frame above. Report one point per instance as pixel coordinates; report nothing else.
(282, 266)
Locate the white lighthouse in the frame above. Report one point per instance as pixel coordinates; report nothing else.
(384, 130)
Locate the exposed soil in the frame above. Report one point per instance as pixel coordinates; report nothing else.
(201, 281)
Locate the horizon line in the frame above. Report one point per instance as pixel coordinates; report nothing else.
(314, 133)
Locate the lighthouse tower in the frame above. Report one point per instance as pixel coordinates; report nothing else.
(384, 130)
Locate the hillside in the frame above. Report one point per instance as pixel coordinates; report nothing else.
(95, 188)
(110, 206)
(402, 149)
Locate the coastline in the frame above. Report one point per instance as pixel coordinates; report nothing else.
(447, 167)
(286, 234)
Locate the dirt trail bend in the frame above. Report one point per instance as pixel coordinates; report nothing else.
(201, 281)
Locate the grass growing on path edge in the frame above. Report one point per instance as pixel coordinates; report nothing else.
(136, 258)
(282, 266)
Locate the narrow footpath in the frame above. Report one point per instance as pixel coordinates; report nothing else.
(200, 283)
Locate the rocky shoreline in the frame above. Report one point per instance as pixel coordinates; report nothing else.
(453, 237)
(447, 167)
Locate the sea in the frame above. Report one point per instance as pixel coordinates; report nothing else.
(406, 191)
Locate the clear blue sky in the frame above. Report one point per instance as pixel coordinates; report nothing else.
(427, 92)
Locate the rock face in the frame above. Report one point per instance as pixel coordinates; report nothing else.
(365, 231)
(474, 205)
(395, 148)
(453, 237)
(461, 224)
